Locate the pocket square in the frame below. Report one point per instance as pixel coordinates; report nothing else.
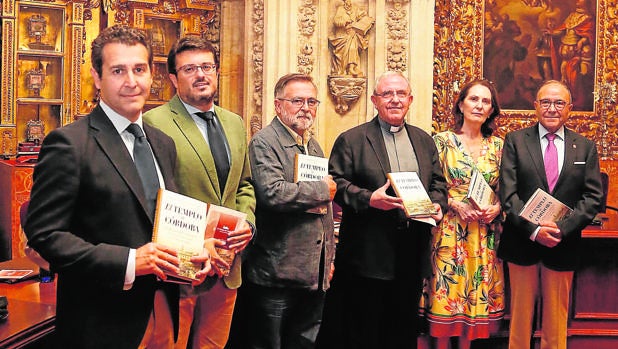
(579, 163)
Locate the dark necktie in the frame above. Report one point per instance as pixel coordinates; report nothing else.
(144, 161)
(551, 161)
(217, 147)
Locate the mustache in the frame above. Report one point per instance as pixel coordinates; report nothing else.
(199, 81)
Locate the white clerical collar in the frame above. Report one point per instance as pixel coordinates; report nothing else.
(390, 128)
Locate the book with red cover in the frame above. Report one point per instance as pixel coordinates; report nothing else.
(219, 222)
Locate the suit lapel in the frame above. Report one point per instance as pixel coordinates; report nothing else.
(533, 144)
(112, 145)
(376, 142)
(570, 152)
(186, 125)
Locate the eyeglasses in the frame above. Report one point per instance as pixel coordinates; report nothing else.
(299, 102)
(559, 104)
(190, 69)
(391, 94)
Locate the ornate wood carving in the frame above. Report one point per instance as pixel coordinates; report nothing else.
(307, 19)
(458, 47)
(457, 53)
(8, 74)
(348, 41)
(397, 36)
(124, 8)
(257, 59)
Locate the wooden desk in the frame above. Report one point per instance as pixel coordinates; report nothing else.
(32, 313)
(593, 321)
(607, 230)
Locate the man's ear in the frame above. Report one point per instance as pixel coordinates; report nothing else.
(174, 80)
(97, 78)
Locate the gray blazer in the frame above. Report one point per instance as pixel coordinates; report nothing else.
(286, 251)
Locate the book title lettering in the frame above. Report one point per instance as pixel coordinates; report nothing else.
(317, 173)
(409, 184)
(540, 209)
(480, 191)
(177, 217)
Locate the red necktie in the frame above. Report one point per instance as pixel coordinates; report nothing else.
(551, 161)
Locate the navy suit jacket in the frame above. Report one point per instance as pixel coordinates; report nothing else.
(87, 210)
(371, 241)
(579, 186)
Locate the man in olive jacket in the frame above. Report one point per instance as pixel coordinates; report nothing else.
(206, 311)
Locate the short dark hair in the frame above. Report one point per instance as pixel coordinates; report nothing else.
(189, 43)
(118, 34)
(489, 126)
(286, 79)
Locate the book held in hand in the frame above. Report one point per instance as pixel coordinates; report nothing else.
(543, 207)
(409, 188)
(480, 193)
(220, 221)
(180, 223)
(311, 168)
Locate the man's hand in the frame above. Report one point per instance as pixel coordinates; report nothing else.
(549, 235)
(156, 259)
(382, 201)
(207, 270)
(238, 239)
(219, 265)
(332, 186)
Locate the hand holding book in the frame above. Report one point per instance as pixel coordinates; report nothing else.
(382, 201)
(542, 207)
(549, 234)
(228, 226)
(182, 227)
(409, 188)
(314, 168)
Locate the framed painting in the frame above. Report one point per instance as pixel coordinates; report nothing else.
(517, 44)
(529, 41)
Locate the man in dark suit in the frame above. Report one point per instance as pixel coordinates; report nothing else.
(381, 253)
(546, 253)
(91, 214)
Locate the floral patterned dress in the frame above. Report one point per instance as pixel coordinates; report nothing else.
(466, 291)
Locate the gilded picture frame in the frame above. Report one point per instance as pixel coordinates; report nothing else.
(460, 44)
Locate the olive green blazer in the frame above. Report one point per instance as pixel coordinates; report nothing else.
(195, 167)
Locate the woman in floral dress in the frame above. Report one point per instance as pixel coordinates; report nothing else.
(465, 294)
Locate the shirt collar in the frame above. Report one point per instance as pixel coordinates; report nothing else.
(300, 140)
(543, 131)
(192, 110)
(390, 128)
(120, 122)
